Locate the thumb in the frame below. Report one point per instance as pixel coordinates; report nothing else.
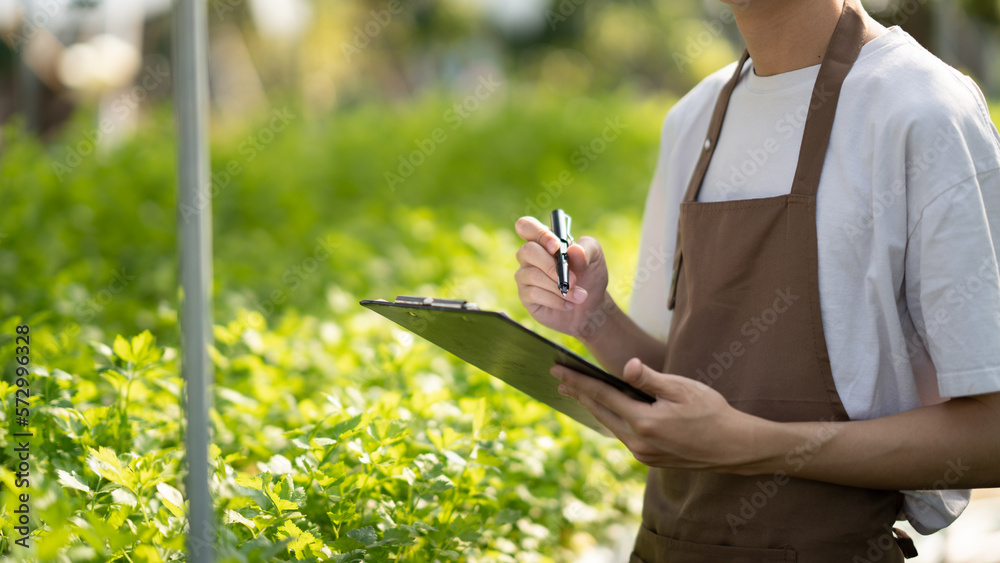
(584, 252)
(660, 385)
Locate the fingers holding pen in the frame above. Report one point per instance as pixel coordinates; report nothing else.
(539, 254)
(531, 254)
(534, 295)
(532, 230)
(532, 281)
(583, 252)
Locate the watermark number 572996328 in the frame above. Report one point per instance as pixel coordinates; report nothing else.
(22, 452)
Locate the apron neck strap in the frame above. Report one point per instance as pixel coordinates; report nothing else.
(845, 45)
(714, 129)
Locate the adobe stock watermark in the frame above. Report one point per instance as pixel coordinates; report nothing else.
(906, 9)
(596, 319)
(581, 159)
(292, 278)
(225, 7)
(617, 463)
(941, 313)
(562, 12)
(752, 330)
(796, 459)
(879, 547)
(249, 149)
(456, 288)
(736, 184)
(120, 279)
(697, 43)
(949, 479)
(364, 34)
(42, 12)
(407, 164)
(916, 166)
(87, 312)
(122, 106)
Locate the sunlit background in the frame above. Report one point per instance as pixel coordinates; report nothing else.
(371, 130)
(61, 55)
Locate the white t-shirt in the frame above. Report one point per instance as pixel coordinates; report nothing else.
(908, 223)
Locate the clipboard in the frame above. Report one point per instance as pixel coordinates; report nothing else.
(498, 345)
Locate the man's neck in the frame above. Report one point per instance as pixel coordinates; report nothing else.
(786, 35)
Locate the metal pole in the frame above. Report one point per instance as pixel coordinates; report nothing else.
(194, 224)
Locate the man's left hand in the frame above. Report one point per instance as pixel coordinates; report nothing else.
(690, 426)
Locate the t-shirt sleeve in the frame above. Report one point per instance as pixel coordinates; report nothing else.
(953, 287)
(648, 307)
(654, 268)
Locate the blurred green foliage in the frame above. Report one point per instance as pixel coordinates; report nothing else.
(96, 245)
(337, 436)
(986, 11)
(356, 51)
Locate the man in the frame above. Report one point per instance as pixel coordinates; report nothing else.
(834, 239)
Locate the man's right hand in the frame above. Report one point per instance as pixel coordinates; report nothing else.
(537, 280)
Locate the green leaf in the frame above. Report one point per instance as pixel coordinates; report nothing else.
(279, 503)
(508, 516)
(9, 325)
(278, 465)
(399, 536)
(364, 535)
(122, 349)
(443, 439)
(224, 335)
(467, 527)
(336, 470)
(53, 543)
(345, 428)
(96, 415)
(489, 433)
(480, 418)
(235, 517)
(483, 458)
(301, 542)
(100, 533)
(118, 516)
(342, 513)
(171, 498)
(255, 483)
(441, 484)
(105, 463)
(141, 345)
(346, 544)
(72, 481)
(123, 496)
(146, 554)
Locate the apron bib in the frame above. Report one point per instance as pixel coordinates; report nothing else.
(747, 322)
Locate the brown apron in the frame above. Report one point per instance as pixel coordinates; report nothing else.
(747, 322)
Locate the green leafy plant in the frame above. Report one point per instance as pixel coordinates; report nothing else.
(336, 437)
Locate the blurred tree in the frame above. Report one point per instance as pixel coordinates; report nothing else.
(359, 51)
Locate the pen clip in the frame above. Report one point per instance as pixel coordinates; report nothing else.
(561, 222)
